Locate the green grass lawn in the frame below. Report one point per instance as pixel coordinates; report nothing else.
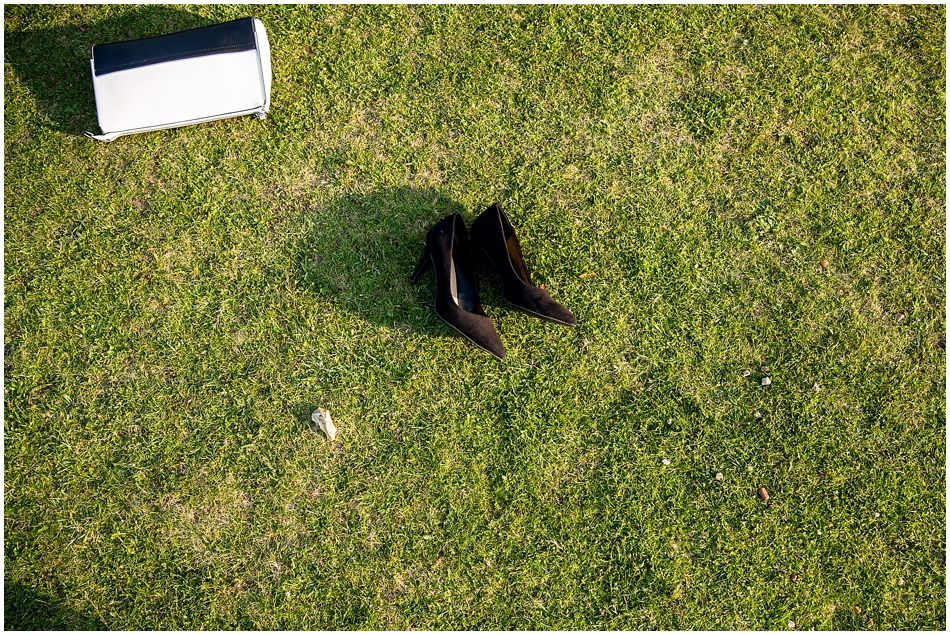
(177, 303)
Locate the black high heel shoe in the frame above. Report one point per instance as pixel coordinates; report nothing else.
(456, 290)
(493, 233)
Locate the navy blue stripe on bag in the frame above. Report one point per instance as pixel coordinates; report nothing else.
(228, 37)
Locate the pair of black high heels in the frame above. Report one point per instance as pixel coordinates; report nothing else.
(449, 250)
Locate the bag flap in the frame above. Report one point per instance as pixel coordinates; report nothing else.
(227, 37)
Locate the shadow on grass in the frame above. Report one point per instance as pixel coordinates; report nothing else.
(358, 252)
(25, 609)
(302, 413)
(54, 62)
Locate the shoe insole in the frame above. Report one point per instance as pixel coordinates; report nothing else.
(514, 253)
(462, 291)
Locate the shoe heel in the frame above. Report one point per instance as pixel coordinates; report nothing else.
(426, 259)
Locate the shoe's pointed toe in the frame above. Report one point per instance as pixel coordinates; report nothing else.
(475, 327)
(484, 335)
(540, 303)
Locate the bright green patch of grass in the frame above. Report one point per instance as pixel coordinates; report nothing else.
(177, 303)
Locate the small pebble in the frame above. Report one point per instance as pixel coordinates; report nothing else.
(758, 415)
(877, 515)
(816, 387)
(819, 532)
(791, 624)
(765, 369)
(746, 373)
(857, 610)
(766, 381)
(900, 582)
(666, 461)
(764, 495)
(719, 476)
(824, 264)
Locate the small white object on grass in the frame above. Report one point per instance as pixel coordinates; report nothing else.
(719, 476)
(766, 381)
(791, 624)
(758, 415)
(322, 418)
(666, 461)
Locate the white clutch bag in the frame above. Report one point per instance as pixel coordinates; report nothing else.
(182, 78)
